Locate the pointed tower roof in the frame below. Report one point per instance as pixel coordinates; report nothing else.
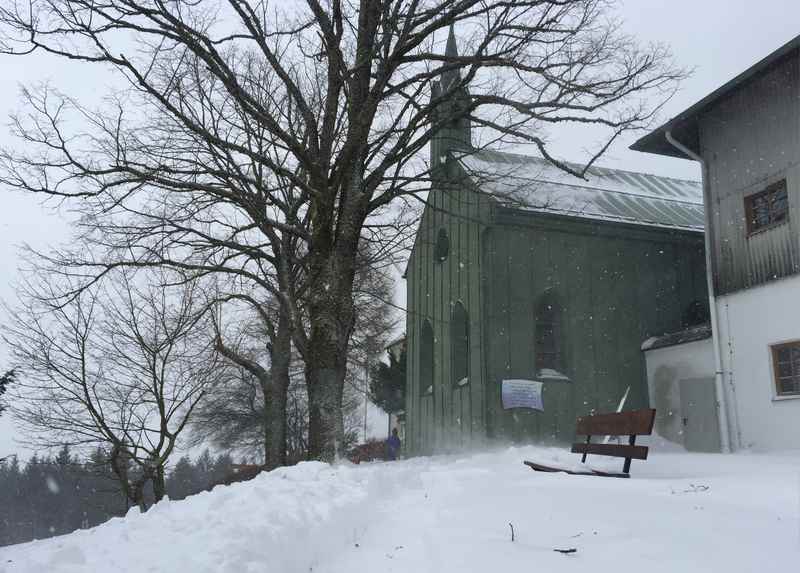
(452, 48)
(451, 51)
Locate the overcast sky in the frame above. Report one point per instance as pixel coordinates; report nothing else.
(716, 38)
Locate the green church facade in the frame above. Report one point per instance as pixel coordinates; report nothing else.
(522, 271)
(521, 295)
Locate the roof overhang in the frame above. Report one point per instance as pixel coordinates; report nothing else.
(693, 334)
(684, 126)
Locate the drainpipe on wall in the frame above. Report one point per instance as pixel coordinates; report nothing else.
(719, 383)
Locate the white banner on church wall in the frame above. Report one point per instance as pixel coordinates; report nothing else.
(522, 394)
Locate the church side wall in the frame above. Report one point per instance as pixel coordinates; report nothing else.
(617, 286)
(452, 417)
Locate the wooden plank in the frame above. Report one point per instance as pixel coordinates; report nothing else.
(635, 422)
(613, 450)
(550, 469)
(578, 315)
(440, 297)
(475, 279)
(519, 326)
(544, 271)
(500, 359)
(491, 329)
(605, 333)
(629, 367)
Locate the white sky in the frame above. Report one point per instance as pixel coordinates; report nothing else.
(716, 38)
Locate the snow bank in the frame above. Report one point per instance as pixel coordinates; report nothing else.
(679, 512)
(284, 519)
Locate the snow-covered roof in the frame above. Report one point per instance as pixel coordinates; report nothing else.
(534, 184)
(684, 336)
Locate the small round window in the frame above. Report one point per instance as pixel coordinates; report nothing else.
(442, 246)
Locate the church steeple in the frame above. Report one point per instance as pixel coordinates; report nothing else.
(454, 129)
(451, 51)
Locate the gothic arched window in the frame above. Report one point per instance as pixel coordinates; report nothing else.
(442, 247)
(426, 359)
(459, 345)
(548, 335)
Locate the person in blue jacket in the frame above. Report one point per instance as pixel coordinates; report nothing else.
(393, 445)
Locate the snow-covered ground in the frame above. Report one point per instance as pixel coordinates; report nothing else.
(679, 512)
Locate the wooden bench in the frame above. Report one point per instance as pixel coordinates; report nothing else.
(633, 423)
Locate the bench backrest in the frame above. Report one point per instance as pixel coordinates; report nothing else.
(631, 424)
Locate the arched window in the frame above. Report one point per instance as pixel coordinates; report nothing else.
(442, 246)
(548, 336)
(459, 345)
(426, 359)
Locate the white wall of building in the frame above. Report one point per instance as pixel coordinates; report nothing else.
(666, 367)
(749, 322)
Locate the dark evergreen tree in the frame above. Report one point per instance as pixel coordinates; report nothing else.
(5, 380)
(53, 496)
(387, 383)
(222, 468)
(205, 463)
(10, 500)
(182, 480)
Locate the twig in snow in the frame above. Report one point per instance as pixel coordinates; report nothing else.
(692, 489)
(566, 551)
(511, 525)
(696, 488)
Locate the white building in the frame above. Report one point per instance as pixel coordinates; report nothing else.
(746, 135)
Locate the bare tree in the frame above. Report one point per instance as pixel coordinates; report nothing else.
(271, 370)
(250, 412)
(302, 124)
(232, 417)
(121, 366)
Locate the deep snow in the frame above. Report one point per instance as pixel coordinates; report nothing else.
(679, 512)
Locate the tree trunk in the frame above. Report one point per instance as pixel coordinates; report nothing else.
(133, 492)
(274, 386)
(159, 484)
(325, 424)
(331, 317)
(275, 428)
(275, 395)
(137, 494)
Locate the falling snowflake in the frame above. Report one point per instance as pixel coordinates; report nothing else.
(52, 485)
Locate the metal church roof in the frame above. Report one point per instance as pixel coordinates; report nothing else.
(534, 184)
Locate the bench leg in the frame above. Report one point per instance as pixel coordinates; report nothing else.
(627, 467)
(588, 441)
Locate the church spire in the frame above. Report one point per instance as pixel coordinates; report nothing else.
(451, 51)
(452, 48)
(452, 117)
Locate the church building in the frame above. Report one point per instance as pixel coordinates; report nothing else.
(521, 271)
